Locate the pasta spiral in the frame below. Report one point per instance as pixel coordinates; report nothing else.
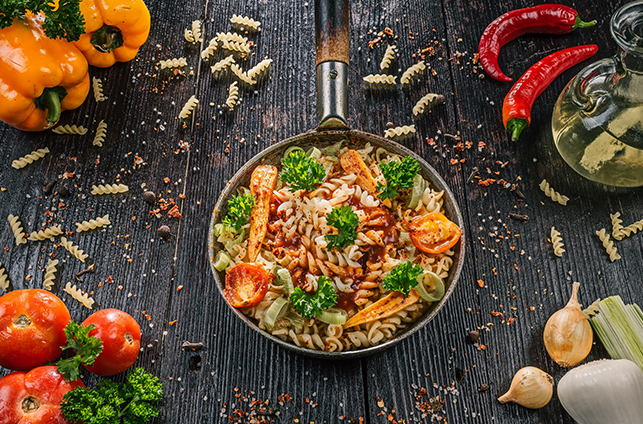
(47, 233)
(231, 36)
(77, 294)
(259, 69)
(92, 223)
(209, 51)
(109, 189)
(592, 309)
(553, 194)
(245, 22)
(399, 131)
(233, 95)
(193, 35)
(411, 72)
(70, 129)
(427, 103)
(617, 226)
(608, 244)
(188, 107)
(222, 64)
(557, 242)
(632, 228)
(389, 56)
(50, 274)
(97, 88)
(4, 279)
(101, 132)
(233, 46)
(16, 227)
(73, 249)
(238, 72)
(381, 79)
(177, 62)
(30, 158)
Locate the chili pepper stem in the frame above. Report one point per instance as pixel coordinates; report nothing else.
(107, 39)
(52, 101)
(516, 126)
(582, 24)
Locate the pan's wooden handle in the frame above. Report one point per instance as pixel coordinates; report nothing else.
(331, 30)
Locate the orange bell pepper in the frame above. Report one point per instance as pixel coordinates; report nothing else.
(39, 77)
(114, 30)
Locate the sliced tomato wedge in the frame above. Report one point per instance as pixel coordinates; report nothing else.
(246, 285)
(434, 233)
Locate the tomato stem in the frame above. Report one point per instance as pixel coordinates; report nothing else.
(516, 126)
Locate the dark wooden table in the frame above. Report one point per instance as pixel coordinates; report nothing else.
(168, 286)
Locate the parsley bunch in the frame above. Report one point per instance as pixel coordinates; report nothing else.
(398, 175)
(310, 305)
(239, 210)
(112, 403)
(301, 172)
(87, 349)
(62, 19)
(402, 278)
(346, 222)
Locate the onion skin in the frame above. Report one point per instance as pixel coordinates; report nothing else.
(605, 391)
(530, 387)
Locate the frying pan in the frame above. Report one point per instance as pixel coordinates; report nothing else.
(332, 48)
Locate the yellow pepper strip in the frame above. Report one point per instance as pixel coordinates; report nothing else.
(114, 30)
(39, 77)
(394, 302)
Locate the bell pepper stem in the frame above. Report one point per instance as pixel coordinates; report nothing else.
(516, 126)
(582, 24)
(107, 39)
(52, 102)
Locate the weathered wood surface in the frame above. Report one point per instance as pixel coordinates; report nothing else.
(171, 281)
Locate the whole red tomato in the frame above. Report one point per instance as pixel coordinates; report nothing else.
(34, 397)
(121, 338)
(31, 328)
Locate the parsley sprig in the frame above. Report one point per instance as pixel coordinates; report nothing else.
(310, 305)
(239, 210)
(112, 403)
(62, 19)
(402, 278)
(87, 349)
(301, 172)
(398, 175)
(346, 221)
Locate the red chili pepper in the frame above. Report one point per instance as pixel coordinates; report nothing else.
(546, 19)
(516, 109)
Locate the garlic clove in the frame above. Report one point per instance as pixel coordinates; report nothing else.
(568, 335)
(530, 387)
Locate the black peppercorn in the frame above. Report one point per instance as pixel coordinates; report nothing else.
(473, 336)
(149, 197)
(164, 231)
(62, 191)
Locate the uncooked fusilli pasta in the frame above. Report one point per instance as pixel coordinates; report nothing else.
(550, 192)
(31, 157)
(210, 50)
(45, 234)
(50, 274)
(632, 228)
(4, 279)
(233, 95)
(238, 72)
(617, 226)
(177, 62)
(245, 22)
(16, 227)
(193, 35)
(557, 242)
(411, 72)
(592, 309)
(70, 129)
(235, 47)
(259, 69)
(427, 103)
(109, 189)
(608, 244)
(97, 88)
(388, 81)
(73, 249)
(101, 132)
(402, 131)
(77, 294)
(389, 56)
(188, 107)
(92, 223)
(231, 36)
(222, 64)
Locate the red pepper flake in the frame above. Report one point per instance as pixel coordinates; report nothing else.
(110, 280)
(430, 141)
(459, 146)
(454, 161)
(166, 180)
(480, 283)
(133, 218)
(100, 284)
(481, 144)
(497, 314)
(68, 175)
(181, 196)
(487, 182)
(179, 288)
(174, 212)
(510, 320)
(388, 31)
(172, 322)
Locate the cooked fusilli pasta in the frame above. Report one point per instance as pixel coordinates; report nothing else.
(210, 50)
(427, 103)
(235, 47)
(70, 129)
(557, 242)
(92, 223)
(45, 234)
(16, 227)
(388, 81)
(389, 56)
(50, 274)
(608, 244)
(77, 294)
(188, 107)
(222, 64)
(402, 131)
(411, 72)
(73, 249)
(177, 62)
(97, 88)
(193, 35)
(245, 22)
(238, 72)
(4, 279)
(259, 69)
(31, 157)
(233, 95)
(109, 189)
(101, 132)
(553, 194)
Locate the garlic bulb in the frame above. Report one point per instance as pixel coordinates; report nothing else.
(530, 387)
(568, 335)
(605, 391)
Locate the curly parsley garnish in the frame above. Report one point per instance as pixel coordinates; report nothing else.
(301, 172)
(402, 278)
(346, 222)
(62, 18)
(239, 210)
(398, 175)
(86, 348)
(310, 305)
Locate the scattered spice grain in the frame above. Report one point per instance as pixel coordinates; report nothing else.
(149, 197)
(164, 232)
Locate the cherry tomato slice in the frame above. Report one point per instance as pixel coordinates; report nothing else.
(246, 285)
(434, 233)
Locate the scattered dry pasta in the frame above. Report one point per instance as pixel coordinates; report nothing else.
(16, 227)
(50, 274)
(553, 194)
(73, 249)
(617, 227)
(209, 51)
(231, 36)
(388, 81)
(608, 244)
(233, 95)
(245, 22)
(97, 88)
(101, 132)
(411, 72)
(557, 242)
(238, 72)
(77, 294)
(632, 228)
(188, 107)
(177, 62)
(92, 223)
(193, 35)
(427, 103)
(30, 158)
(592, 309)
(389, 56)
(235, 47)
(259, 69)
(222, 64)
(402, 131)
(45, 234)
(109, 189)
(4, 279)
(70, 129)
